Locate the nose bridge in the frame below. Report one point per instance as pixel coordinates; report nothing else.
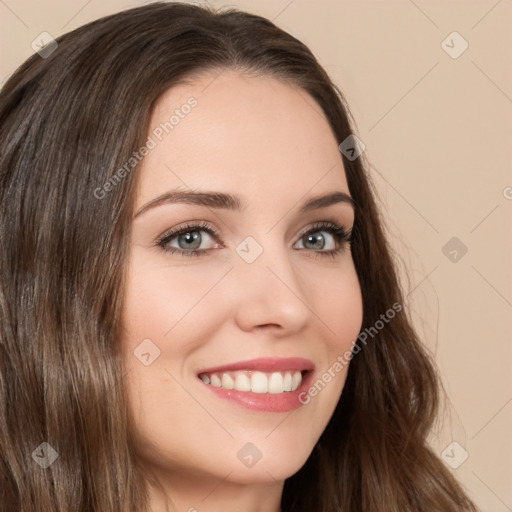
(267, 287)
(264, 258)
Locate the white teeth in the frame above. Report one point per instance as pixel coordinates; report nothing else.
(297, 379)
(257, 382)
(227, 381)
(215, 381)
(276, 383)
(242, 382)
(287, 381)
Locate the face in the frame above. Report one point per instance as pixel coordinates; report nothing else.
(237, 306)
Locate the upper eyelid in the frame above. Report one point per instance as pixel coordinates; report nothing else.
(324, 224)
(194, 225)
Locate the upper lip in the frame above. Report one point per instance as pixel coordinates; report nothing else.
(265, 364)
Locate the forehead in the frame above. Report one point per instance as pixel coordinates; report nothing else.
(240, 132)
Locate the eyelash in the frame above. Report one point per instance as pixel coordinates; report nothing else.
(340, 234)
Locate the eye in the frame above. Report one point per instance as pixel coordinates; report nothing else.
(187, 239)
(315, 240)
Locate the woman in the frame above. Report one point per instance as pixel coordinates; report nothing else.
(277, 370)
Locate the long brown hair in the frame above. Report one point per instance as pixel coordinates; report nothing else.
(68, 122)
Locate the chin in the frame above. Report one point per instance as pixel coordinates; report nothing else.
(275, 463)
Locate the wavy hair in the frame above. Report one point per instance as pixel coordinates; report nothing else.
(67, 123)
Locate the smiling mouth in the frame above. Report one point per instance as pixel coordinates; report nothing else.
(255, 381)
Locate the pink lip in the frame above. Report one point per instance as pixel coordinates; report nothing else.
(265, 364)
(269, 402)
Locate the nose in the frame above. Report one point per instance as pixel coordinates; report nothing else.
(268, 293)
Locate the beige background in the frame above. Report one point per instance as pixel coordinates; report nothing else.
(437, 132)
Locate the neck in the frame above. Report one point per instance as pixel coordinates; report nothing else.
(189, 493)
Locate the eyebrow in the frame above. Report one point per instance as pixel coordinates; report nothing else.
(220, 200)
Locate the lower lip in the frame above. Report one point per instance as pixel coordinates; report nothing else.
(267, 402)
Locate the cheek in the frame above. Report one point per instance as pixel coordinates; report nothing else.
(339, 307)
(171, 307)
(162, 304)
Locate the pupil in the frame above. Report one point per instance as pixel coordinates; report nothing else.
(190, 238)
(317, 241)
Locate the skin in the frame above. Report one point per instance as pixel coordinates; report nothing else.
(270, 143)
